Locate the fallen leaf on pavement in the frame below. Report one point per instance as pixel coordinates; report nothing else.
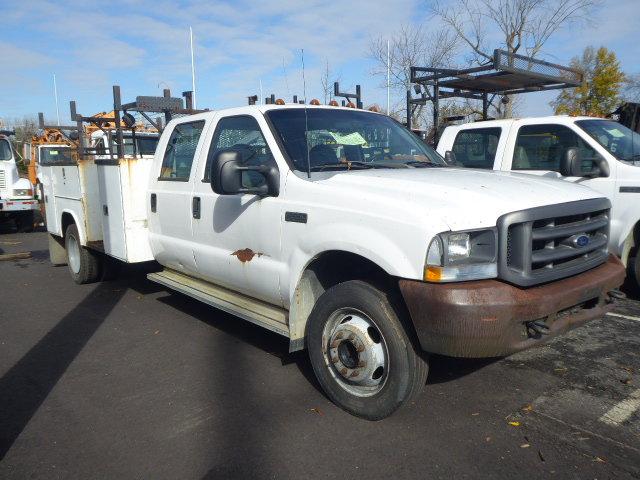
(514, 424)
(525, 445)
(316, 410)
(527, 408)
(599, 460)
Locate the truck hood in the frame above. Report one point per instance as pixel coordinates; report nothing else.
(463, 198)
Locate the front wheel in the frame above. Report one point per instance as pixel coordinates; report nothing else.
(361, 353)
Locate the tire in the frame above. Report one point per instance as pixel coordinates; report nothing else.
(634, 267)
(84, 264)
(24, 221)
(361, 353)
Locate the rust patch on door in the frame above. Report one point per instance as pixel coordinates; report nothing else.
(246, 254)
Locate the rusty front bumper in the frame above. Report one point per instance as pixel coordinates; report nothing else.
(487, 318)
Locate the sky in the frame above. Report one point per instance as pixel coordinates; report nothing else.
(143, 46)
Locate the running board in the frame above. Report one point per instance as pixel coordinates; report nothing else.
(250, 309)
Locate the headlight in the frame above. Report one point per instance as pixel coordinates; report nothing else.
(23, 192)
(458, 256)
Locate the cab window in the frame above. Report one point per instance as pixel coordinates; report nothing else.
(180, 151)
(241, 133)
(476, 148)
(541, 147)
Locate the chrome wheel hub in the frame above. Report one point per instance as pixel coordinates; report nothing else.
(355, 352)
(73, 252)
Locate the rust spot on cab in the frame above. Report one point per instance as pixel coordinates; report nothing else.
(246, 254)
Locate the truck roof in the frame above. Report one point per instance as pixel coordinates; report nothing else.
(266, 108)
(508, 121)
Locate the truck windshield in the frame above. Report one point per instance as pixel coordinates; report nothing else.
(341, 139)
(620, 141)
(5, 150)
(49, 155)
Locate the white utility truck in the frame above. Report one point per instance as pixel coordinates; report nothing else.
(17, 201)
(599, 153)
(340, 230)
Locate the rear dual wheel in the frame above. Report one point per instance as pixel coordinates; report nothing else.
(634, 265)
(361, 353)
(84, 264)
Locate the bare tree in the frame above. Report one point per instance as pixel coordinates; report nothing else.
(631, 91)
(327, 78)
(525, 25)
(411, 46)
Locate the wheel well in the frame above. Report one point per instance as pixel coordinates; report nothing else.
(335, 267)
(67, 219)
(323, 272)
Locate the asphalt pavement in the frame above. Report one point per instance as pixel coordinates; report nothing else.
(126, 380)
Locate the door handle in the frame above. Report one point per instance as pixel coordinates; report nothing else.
(195, 207)
(154, 202)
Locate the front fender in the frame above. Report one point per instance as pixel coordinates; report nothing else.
(22, 184)
(398, 253)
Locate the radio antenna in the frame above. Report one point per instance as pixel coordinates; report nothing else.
(306, 119)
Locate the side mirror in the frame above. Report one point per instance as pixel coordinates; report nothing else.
(571, 165)
(226, 175)
(450, 157)
(601, 167)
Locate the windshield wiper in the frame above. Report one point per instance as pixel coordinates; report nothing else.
(355, 164)
(422, 164)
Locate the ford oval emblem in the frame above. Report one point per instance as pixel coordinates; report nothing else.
(581, 241)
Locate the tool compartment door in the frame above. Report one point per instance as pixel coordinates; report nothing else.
(113, 230)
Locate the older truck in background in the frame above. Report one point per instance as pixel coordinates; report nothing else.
(339, 230)
(17, 201)
(595, 152)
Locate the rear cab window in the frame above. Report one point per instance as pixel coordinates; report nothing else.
(476, 148)
(180, 151)
(55, 156)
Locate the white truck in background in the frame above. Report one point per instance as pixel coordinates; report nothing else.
(17, 201)
(339, 230)
(599, 153)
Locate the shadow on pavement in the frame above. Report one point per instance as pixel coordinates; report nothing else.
(26, 385)
(246, 332)
(446, 369)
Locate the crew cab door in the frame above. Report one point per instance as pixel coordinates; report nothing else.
(169, 197)
(236, 238)
(538, 149)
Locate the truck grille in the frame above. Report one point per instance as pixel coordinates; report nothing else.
(3, 181)
(548, 243)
